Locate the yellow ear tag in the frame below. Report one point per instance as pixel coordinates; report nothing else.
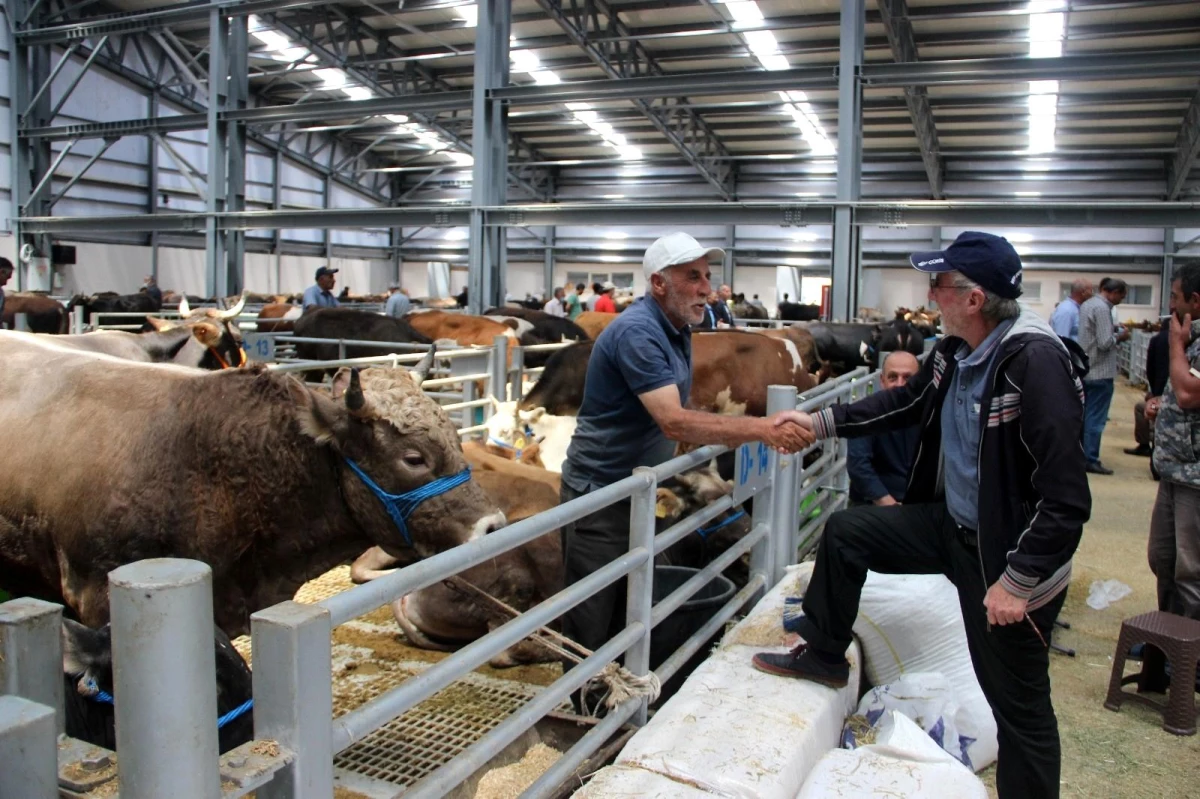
(519, 442)
(660, 510)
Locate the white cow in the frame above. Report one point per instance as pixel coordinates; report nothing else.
(507, 427)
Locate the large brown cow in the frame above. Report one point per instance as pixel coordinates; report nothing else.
(805, 344)
(452, 613)
(731, 370)
(278, 317)
(108, 462)
(43, 314)
(463, 328)
(594, 322)
(204, 339)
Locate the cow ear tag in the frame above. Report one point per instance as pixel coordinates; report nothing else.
(660, 510)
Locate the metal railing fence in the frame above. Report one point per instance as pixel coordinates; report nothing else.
(293, 650)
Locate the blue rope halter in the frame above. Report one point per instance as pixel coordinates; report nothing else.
(705, 532)
(239, 711)
(401, 506)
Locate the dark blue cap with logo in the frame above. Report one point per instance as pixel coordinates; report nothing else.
(983, 258)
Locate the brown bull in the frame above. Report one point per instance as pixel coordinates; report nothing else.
(731, 370)
(278, 317)
(463, 328)
(43, 314)
(108, 462)
(594, 322)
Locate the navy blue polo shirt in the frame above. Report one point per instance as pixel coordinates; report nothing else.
(639, 352)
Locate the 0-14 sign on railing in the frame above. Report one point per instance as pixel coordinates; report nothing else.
(751, 471)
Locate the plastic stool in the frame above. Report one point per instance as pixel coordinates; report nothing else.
(1177, 638)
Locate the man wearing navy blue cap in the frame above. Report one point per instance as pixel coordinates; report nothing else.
(996, 501)
(320, 295)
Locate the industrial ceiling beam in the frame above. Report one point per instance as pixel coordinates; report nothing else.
(868, 213)
(1187, 148)
(622, 59)
(899, 32)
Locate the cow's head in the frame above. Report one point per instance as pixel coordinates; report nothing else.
(687, 493)
(88, 669)
(380, 421)
(216, 340)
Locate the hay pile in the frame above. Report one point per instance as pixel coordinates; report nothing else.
(509, 782)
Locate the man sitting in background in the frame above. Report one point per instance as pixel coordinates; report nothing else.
(321, 295)
(152, 290)
(879, 465)
(1065, 319)
(398, 303)
(555, 305)
(1158, 369)
(721, 308)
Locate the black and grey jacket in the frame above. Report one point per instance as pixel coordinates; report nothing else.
(1033, 489)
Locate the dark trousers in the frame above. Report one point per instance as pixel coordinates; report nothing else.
(1097, 396)
(1143, 433)
(588, 544)
(1010, 661)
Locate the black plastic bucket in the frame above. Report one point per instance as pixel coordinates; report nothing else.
(690, 617)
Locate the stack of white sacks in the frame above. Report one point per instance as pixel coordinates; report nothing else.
(733, 731)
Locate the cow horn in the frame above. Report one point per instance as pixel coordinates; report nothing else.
(184, 310)
(354, 394)
(232, 312)
(421, 370)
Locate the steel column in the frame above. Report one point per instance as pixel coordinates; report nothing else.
(31, 652)
(727, 263)
(152, 184)
(846, 263)
(548, 262)
(215, 277)
(489, 136)
(238, 88)
(165, 681)
(1168, 271)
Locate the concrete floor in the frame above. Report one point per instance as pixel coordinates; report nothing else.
(1108, 754)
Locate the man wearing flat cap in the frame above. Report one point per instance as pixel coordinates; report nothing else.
(321, 294)
(634, 411)
(996, 501)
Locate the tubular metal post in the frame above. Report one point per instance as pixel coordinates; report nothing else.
(165, 681)
(517, 387)
(21, 322)
(639, 596)
(77, 319)
(341, 350)
(783, 494)
(28, 749)
(31, 652)
(499, 381)
(763, 504)
(293, 695)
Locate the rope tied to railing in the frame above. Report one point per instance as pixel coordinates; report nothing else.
(623, 684)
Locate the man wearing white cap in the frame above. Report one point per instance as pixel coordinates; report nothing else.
(638, 380)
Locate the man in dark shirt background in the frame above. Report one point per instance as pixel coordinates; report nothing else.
(1158, 369)
(879, 465)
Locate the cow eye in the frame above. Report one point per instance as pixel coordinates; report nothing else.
(413, 458)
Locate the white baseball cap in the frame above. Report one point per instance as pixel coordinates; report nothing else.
(672, 249)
